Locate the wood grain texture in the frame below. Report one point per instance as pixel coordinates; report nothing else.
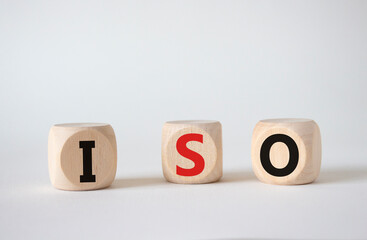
(65, 156)
(306, 135)
(210, 150)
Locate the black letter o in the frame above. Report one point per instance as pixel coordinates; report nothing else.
(293, 155)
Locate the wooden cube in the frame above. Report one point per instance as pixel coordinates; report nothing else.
(192, 151)
(286, 151)
(82, 156)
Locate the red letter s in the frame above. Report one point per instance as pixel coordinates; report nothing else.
(187, 153)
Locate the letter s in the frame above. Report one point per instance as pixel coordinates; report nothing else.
(187, 153)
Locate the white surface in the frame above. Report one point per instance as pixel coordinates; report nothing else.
(147, 207)
(137, 64)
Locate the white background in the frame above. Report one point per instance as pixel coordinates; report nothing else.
(137, 64)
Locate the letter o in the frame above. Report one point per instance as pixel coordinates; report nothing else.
(293, 155)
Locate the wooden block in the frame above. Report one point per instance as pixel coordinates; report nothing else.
(82, 156)
(192, 151)
(286, 151)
